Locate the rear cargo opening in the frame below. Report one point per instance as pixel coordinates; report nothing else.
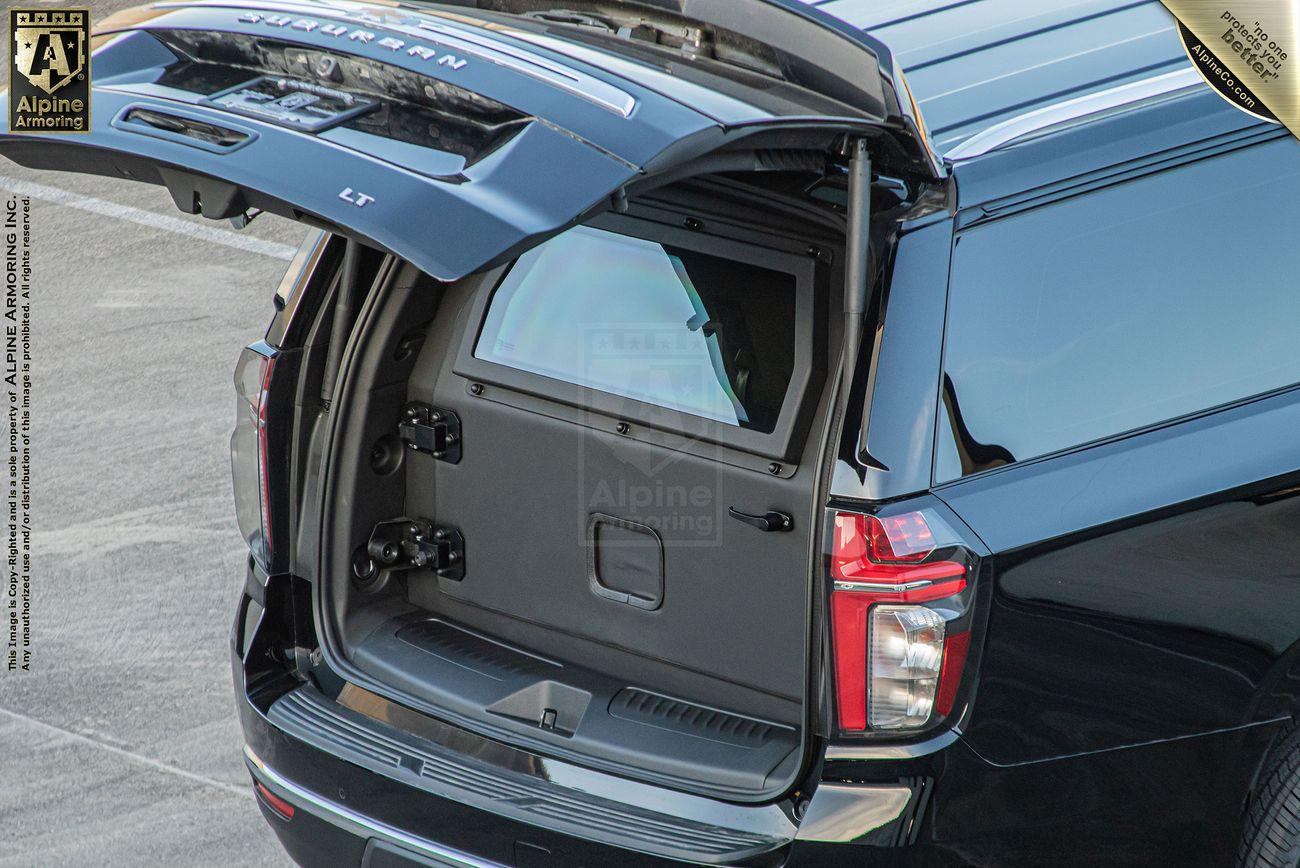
(571, 501)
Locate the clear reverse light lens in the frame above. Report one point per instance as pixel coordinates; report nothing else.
(248, 458)
(905, 654)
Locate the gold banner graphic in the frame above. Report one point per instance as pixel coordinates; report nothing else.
(1247, 51)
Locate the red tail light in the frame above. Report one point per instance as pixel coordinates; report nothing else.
(887, 551)
(896, 661)
(249, 451)
(954, 660)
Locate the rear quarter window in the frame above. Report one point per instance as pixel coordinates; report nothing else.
(1121, 309)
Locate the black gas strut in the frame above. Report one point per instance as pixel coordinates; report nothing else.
(857, 261)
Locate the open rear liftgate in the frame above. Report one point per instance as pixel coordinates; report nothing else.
(321, 113)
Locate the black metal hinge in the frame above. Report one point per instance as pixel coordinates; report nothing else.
(415, 543)
(432, 430)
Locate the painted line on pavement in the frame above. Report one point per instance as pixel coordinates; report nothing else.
(158, 765)
(151, 219)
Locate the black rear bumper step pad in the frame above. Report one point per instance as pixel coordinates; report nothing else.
(309, 716)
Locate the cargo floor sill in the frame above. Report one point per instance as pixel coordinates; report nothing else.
(575, 807)
(501, 691)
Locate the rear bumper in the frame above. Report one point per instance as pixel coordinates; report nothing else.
(330, 832)
(368, 793)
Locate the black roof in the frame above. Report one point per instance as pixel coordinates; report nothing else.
(973, 64)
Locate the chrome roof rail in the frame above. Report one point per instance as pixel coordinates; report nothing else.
(1102, 102)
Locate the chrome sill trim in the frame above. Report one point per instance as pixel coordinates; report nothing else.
(352, 822)
(870, 588)
(1044, 119)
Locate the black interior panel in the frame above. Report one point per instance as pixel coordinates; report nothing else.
(575, 707)
(611, 611)
(523, 494)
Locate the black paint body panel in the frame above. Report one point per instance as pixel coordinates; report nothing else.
(1147, 588)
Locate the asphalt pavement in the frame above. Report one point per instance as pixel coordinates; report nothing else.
(121, 747)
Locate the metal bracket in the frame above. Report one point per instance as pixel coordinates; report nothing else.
(414, 543)
(432, 430)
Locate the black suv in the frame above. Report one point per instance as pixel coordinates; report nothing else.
(672, 449)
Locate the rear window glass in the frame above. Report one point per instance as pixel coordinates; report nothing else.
(663, 325)
(1121, 309)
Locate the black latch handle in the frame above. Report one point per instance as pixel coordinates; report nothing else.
(768, 522)
(185, 126)
(222, 137)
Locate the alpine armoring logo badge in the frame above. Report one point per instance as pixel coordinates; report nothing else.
(49, 71)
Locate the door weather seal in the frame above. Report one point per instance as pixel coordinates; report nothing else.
(347, 287)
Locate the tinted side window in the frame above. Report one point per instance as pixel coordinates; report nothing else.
(1122, 308)
(635, 318)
